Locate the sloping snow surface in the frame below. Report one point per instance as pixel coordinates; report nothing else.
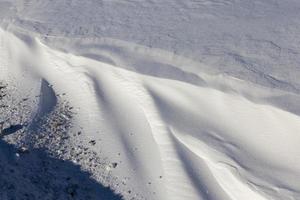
(155, 99)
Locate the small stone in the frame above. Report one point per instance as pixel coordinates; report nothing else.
(114, 165)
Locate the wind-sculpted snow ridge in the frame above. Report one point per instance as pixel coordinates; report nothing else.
(149, 135)
(172, 100)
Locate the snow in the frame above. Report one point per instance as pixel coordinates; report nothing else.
(154, 99)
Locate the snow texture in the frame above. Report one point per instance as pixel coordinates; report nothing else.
(150, 99)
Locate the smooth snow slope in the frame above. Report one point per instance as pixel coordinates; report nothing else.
(182, 99)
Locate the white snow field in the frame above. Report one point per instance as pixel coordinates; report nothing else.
(155, 99)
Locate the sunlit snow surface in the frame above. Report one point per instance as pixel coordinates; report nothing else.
(157, 99)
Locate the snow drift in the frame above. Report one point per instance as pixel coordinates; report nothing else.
(173, 100)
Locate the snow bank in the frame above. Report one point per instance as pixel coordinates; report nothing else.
(208, 113)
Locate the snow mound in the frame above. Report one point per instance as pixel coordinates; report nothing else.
(156, 100)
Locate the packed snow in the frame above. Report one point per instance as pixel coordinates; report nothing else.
(150, 99)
